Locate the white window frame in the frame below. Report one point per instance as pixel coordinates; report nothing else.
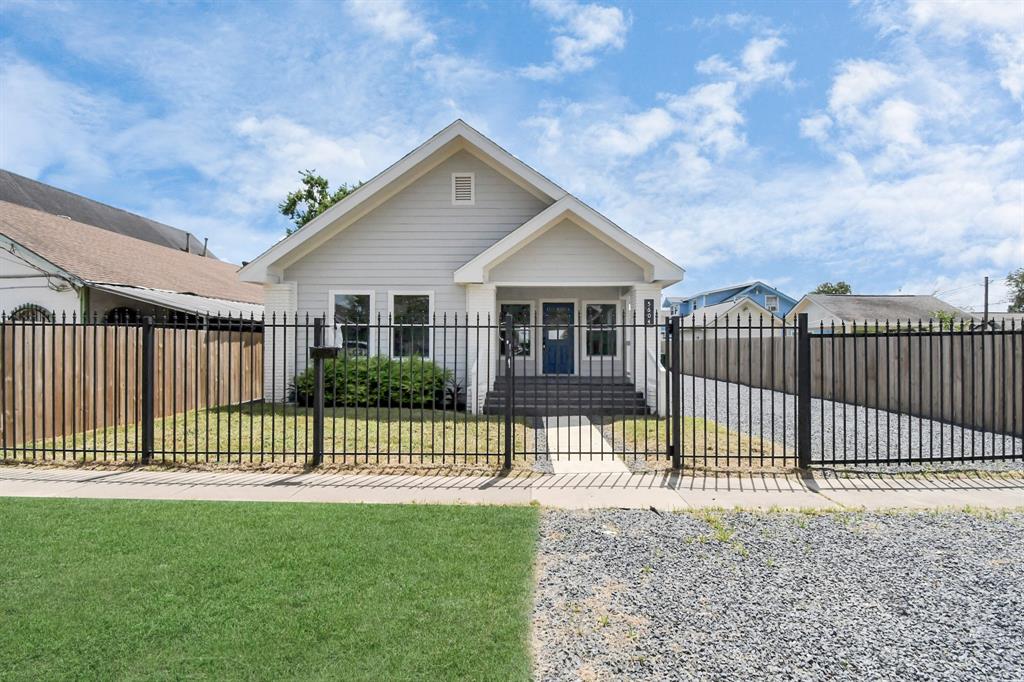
(372, 350)
(768, 305)
(617, 330)
(534, 325)
(472, 189)
(429, 293)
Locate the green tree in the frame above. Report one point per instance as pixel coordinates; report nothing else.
(839, 287)
(1016, 281)
(312, 199)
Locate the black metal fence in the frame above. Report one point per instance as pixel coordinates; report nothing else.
(695, 392)
(876, 392)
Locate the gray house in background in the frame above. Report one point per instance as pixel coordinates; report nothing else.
(462, 228)
(849, 309)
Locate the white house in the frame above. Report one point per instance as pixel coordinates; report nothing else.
(739, 318)
(460, 227)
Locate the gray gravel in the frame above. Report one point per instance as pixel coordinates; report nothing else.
(865, 431)
(786, 596)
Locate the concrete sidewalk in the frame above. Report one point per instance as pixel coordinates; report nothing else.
(663, 490)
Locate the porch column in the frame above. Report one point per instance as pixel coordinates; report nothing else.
(644, 359)
(483, 347)
(279, 301)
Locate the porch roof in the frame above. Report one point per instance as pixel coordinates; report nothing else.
(656, 267)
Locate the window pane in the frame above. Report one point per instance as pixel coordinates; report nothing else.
(601, 341)
(352, 322)
(521, 337)
(411, 317)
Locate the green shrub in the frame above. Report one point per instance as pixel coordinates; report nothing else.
(360, 381)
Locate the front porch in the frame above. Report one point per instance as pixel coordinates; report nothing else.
(576, 349)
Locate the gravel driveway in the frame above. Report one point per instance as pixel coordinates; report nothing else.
(866, 432)
(737, 595)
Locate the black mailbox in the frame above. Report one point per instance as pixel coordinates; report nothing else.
(324, 352)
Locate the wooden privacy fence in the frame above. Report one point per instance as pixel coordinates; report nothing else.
(63, 379)
(973, 379)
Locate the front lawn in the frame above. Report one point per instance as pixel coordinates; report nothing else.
(258, 433)
(96, 589)
(706, 443)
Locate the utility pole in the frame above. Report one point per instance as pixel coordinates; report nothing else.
(984, 317)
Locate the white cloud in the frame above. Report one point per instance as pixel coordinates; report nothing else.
(582, 31)
(757, 63)
(924, 179)
(635, 134)
(857, 83)
(49, 125)
(711, 117)
(996, 25)
(393, 20)
(816, 127)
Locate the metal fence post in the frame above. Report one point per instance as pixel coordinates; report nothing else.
(675, 338)
(147, 387)
(509, 391)
(318, 393)
(803, 402)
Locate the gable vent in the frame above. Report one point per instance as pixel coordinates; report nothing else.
(463, 189)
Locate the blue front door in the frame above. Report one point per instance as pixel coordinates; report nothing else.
(558, 338)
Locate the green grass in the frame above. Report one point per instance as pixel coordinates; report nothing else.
(255, 432)
(97, 589)
(704, 442)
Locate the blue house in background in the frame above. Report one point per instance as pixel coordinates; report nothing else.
(766, 296)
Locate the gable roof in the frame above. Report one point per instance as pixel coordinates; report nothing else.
(17, 189)
(458, 135)
(860, 307)
(709, 316)
(92, 255)
(738, 288)
(656, 267)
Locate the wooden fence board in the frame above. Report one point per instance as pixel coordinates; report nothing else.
(64, 379)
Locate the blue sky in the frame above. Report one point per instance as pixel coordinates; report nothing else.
(879, 143)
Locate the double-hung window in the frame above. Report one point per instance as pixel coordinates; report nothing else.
(522, 315)
(410, 319)
(602, 338)
(352, 313)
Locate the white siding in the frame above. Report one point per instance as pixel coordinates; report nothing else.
(20, 284)
(568, 253)
(416, 240)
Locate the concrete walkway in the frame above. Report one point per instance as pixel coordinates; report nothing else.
(662, 490)
(568, 438)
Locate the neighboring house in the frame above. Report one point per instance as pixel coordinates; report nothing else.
(864, 310)
(732, 319)
(54, 268)
(17, 189)
(461, 227)
(766, 296)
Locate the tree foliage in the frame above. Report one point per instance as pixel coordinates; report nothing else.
(312, 199)
(839, 288)
(1016, 282)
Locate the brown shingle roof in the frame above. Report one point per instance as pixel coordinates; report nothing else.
(97, 255)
